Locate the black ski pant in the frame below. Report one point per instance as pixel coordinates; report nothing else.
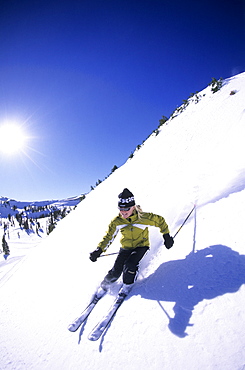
(127, 263)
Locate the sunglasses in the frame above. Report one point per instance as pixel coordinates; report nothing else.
(124, 209)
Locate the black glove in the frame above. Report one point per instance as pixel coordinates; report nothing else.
(168, 241)
(95, 254)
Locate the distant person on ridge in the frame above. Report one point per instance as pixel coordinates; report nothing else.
(133, 224)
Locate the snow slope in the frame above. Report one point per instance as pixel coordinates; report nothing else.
(186, 310)
(22, 240)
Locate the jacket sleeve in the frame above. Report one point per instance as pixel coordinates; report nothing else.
(109, 237)
(163, 225)
(160, 222)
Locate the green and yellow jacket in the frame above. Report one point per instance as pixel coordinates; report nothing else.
(134, 230)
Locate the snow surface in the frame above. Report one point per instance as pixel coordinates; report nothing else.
(21, 241)
(186, 310)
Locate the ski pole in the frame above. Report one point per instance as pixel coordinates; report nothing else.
(108, 254)
(184, 221)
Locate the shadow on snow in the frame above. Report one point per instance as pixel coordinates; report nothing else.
(206, 274)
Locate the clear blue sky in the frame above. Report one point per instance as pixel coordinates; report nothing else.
(89, 81)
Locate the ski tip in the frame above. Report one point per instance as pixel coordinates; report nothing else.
(93, 338)
(72, 328)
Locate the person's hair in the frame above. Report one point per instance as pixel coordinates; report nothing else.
(139, 210)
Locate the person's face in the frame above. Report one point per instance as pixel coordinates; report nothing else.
(127, 212)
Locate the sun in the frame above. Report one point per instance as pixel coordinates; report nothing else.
(12, 138)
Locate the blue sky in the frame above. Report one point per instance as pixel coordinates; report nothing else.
(89, 80)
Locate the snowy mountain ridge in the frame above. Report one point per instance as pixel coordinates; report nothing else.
(186, 308)
(12, 206)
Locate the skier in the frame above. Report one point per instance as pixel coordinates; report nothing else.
(133, 224)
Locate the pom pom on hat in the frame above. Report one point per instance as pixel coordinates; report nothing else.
(126, 199)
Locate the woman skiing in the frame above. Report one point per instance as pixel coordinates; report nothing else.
(133, 224)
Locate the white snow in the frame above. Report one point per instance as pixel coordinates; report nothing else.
(186, 310)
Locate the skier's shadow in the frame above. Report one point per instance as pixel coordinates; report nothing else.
(206, 274)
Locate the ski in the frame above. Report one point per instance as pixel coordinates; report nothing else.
(79, 320)
(102, 325)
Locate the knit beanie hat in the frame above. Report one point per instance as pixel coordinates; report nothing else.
(126, 199)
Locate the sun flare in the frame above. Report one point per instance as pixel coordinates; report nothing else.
(12, 138)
